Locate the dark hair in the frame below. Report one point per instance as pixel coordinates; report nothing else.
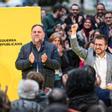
(108, 12)
(57, 7)
(57, 95)
(97, 108)
(37, 25)
(109, 109)
(83, 81)
(90, 71)
(36, 76)
(75, 5)
(99, 3)
(56, 108)
(102, 37)
(88, 17)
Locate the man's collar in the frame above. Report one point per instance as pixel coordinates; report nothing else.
(104, 57)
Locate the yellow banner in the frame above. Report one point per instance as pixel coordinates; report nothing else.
(15, 29)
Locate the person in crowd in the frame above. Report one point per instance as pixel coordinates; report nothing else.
(43, 13)
(69, 59)
(93, 36)
(59, 108)
(97, 57)
(61, 31)
(27, 91)
(80, 88)
(85, 34)
(99, 17)
(96, 33)
(103, 94)
(57, 95)
(55, 38)
(74, 17)
(56, 108)
(64, 12)
(39, 55)
(42, 97)
(38, 77)
(109, 109)
(97, 108)
(106, 28)
(5, 104)
(51, 20)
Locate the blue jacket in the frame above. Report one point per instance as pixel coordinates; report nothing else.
(24, 105)
(47, 68)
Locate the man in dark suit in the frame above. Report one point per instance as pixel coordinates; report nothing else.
(38, 55)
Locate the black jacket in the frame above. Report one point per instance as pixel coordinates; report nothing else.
(47, 68)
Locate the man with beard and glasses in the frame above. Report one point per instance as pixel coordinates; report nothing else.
(96, 56)
(106, 28)
(38, 55)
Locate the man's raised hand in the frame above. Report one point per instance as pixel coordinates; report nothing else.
(74, 28)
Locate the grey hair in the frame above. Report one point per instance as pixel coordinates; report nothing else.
(28, 89)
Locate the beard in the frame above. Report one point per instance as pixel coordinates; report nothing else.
(100, 14)
(99, 52)
(37, 41)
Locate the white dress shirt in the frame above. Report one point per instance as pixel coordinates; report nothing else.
(101, 69)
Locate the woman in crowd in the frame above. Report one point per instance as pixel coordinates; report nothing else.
(85, 34)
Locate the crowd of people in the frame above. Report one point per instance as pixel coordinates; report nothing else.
(67, 67)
